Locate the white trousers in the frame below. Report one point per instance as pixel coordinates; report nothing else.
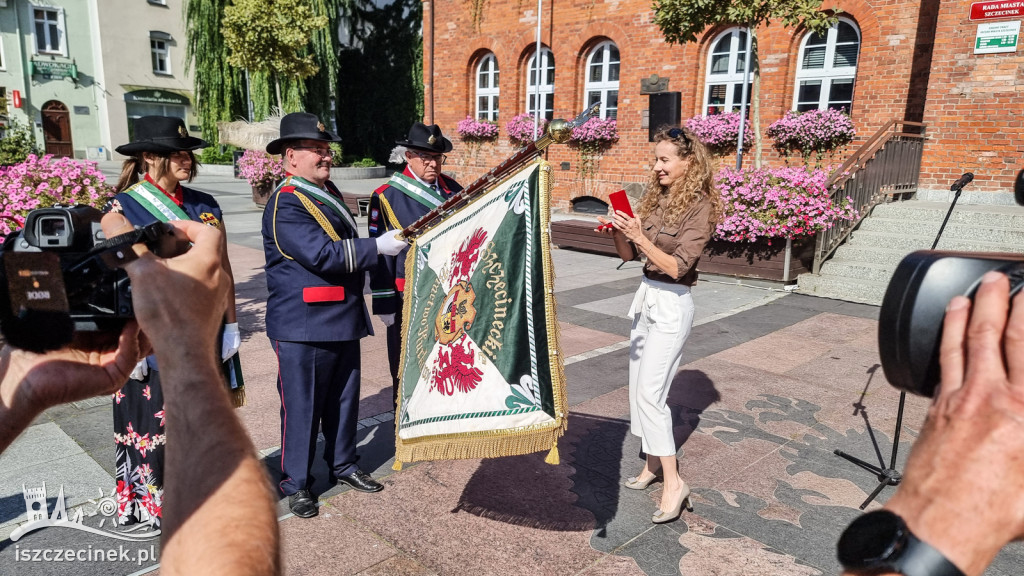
(662, 318)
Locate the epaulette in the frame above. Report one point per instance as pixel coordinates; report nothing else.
(287, 189)
(382, 188)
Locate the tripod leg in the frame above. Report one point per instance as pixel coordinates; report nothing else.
(896, 434)
(865, 465)
(877, 491)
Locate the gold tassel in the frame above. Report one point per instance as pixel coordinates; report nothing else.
(238, 397)
(553, 456)
(397, 466)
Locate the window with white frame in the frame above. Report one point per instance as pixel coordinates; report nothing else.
(543, 83)
(160, 50)
(828, 68)
(487, 88)
(602, 83)
(723, 84)
(49, 30)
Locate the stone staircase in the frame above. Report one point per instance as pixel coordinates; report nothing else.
(860, 269)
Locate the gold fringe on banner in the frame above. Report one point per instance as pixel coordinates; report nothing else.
(495, 443)
(238, 397)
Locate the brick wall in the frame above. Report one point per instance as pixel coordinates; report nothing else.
(891, 79)
(974, 110)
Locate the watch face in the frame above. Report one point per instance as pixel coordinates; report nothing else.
(872, 540)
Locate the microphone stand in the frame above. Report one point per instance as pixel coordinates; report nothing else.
(890, 476)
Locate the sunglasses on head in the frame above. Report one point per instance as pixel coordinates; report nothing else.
(675, 133)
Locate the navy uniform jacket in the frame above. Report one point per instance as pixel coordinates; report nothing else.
(388, 282)
(199, 206)
(315, 283)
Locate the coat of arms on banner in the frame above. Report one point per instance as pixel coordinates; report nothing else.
(481, 372)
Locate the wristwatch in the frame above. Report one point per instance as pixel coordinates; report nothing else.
(881, 541)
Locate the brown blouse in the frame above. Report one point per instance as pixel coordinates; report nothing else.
(684, 240)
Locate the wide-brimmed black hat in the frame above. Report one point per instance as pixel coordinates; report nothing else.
(301, 126)
(160, 134)
(430, 138)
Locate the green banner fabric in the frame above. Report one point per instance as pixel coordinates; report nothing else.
(481, 373)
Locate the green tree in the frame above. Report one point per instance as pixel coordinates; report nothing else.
(386, 55)
(321, 87)
(219, 87)
(272, 37)
(17, 142)
(682, 20)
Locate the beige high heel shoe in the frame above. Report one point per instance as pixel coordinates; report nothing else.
(636, 483)
(663, 516)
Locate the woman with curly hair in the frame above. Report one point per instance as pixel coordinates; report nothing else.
(675, 219)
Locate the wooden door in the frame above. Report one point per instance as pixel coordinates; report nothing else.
(57, 129)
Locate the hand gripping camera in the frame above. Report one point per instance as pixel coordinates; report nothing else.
(60, 276)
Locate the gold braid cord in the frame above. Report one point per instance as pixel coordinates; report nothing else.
(496, 443)
(389, 214)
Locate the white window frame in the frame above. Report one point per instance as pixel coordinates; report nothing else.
(156, 54)
(829, 73)
(3, 59)
(547, 91)
(487, 68)
(62, 47)
(604, 87)
(733, 78)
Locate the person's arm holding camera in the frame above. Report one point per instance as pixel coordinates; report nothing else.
(30, 383)
(963, 489)
(219, 509)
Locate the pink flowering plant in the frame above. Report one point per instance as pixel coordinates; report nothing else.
(41, 182)
(473, 130)
(815, 132)
(260, 168)
(520, 129)
(785, 202)
(592, 139)
(721, 132)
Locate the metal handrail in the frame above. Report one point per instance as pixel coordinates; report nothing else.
(888, 163)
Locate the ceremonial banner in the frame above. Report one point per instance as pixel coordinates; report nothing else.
(481, 372)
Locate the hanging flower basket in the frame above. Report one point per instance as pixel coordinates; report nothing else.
(473, 130)
(811, 134)
(592, 139)
(520, 129)
(721, 132)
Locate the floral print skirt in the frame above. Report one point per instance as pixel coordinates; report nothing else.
(139, 439)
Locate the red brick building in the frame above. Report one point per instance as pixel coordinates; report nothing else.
(885, 60)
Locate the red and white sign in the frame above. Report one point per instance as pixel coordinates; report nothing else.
(16, 98)
(993, 10)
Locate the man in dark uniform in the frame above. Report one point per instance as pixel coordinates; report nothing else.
(316, 268)
(408, 196)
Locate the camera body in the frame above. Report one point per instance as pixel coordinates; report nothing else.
(58, 277)
(910, 320)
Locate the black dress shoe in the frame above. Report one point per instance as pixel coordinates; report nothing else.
(302, 504)
(361, 481)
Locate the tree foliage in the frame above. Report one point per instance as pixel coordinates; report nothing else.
(272, 37)
(386, 57)
(681, 21)
(219, 87)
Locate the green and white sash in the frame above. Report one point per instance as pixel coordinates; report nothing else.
(325, 198)
(150, 197)
(417, 190)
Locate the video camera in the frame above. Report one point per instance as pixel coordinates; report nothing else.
(61, 276)
(910, 320)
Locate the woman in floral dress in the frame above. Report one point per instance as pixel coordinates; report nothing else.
(162, 154)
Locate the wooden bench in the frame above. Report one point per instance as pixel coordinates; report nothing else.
(358, 204)
(580, 235)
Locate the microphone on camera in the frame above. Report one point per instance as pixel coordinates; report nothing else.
(962, 181)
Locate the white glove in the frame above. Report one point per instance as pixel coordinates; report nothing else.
(231, 342)
(387, 319)
(390, 244)
(140, 371)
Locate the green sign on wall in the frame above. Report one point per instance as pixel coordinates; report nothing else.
(54, 70)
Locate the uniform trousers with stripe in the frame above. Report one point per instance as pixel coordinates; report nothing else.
(318, 383)
(662, 318)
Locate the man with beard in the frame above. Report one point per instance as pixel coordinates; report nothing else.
(407, 197)
(316, 268)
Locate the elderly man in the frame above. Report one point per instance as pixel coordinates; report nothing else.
(316, 266)
(408, 196)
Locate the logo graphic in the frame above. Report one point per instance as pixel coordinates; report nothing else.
(106, 506)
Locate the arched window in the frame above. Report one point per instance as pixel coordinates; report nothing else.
(487, 88)
(828, 68)
(723, 85)
(545, 84)
(602, 84)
